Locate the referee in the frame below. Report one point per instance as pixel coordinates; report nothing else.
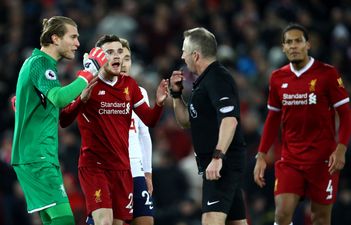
(212, 113)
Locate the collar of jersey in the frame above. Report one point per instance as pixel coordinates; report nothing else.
(108, 82)
(201, 77)
(39, 52)
(298, 73)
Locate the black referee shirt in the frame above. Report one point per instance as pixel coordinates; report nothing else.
(214, 97)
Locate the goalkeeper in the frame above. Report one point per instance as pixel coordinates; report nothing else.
(39, 97)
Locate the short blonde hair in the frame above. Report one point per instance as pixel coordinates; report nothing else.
(54, 25)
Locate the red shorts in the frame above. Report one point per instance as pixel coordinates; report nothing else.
(108, 189)
(312, 181)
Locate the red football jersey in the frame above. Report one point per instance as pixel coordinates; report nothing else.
(307, 99)
(104, 123)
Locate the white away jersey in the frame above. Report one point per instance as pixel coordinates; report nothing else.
(140, 147)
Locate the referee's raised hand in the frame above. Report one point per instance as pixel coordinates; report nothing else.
(176, 81)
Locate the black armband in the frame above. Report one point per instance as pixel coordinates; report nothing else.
(218, 154)
(175, 94)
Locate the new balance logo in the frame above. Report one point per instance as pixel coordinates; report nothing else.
(212, 203)
(285, 85)
(101, 92)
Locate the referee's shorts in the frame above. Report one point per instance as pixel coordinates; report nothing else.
(225, 195)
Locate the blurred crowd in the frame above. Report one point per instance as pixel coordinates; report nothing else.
(248, 33)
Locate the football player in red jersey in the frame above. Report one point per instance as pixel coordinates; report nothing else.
(104, 114)
(303, 99)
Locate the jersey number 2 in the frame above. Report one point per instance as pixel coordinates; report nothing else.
(130, 204)
(147, 202)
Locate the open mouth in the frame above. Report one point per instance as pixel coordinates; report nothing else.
(115, 65)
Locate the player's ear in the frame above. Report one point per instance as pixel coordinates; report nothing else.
(196, 54)
(283, 48)
(308, 45)
(55, 39)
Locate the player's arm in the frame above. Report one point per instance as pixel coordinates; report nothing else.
(92, 62)
(145, 142)
(270, 132)
(146, 147)
(145, 139)
(146, 152)
(340, 99)
(62, 96)
(146, 114)
(337, 158)
(345, 124)
(179, 106)
(70, 112)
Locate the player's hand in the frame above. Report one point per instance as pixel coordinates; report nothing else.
(92, 63)
(13, 103)
(259, 170)
(148, 179)
(162, 92)
(86, 93)
(176, 81)
(213, 169)
(337, 159)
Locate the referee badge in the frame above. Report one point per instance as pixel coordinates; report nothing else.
(193, 112)
(226, 109)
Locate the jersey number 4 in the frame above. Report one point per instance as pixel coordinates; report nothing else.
(329, 190)
(132, 125)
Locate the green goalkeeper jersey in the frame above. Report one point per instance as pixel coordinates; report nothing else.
(36, 118)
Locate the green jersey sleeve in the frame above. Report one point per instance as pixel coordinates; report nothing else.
(62, 96)
(44, 75)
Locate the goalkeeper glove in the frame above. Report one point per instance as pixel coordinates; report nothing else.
(92, 63)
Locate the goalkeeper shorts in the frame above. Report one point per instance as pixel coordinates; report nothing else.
(42, 185)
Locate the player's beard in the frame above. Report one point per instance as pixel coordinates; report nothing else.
(66, 54)
(296, 61)
(111, 72)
